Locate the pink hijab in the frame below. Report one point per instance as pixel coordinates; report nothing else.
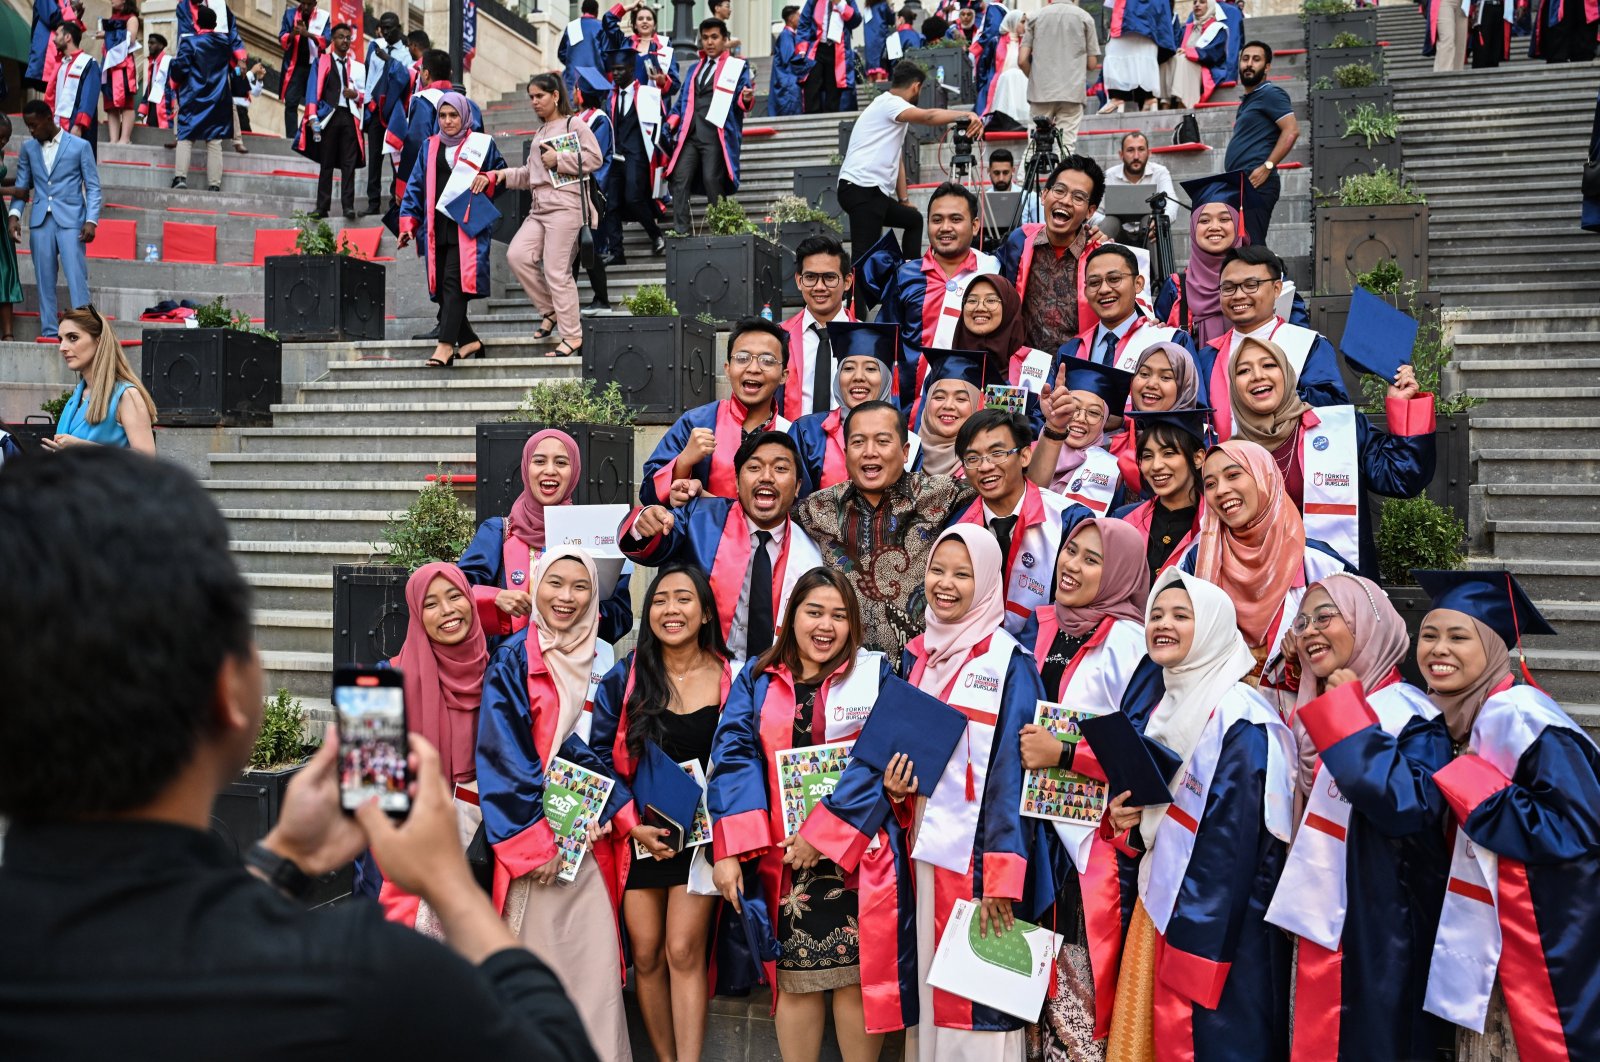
(444, 683)
(947, 644)
(527, 515)
(1202, 280)
(569, 656)
(459, 104)
(1124, 579)
(1380, 634)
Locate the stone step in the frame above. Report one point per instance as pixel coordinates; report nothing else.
(297, 671)
(1561, 502)
(307, 557)
(293, 630)
(1529, 319)
(424, 438)
(1544, 540)
(312, 593)
(1511, 294)
(1563, 257)
(307, 497)
(1527, 465)
(1576, 622)
(310, 525)
(1556, 373)
(1557, 580)
(373, 464)
(1553, 235)
(1537, 432)
(1537, 401)
(1566, 674)
(444, 387)
(341, 415)
(1539, 346)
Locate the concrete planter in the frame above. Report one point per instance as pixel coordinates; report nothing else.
(1321, 61)
(1452, 476)
(1332, 160)
(606, 451)
(321, 298)
(819, 186)
(205, 377)
(1322, 29)
(1330, 312)
(1351, 240)
(246, 809)
(663, 365)
(1330, 107)
(369, 612)
(728, 277)
(790, 235)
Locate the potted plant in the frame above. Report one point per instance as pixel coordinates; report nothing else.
(1334, 97)
(1370, 139)
(226, 371)
(369, 600)
(659, 362)
(734, 272)
(601, 423)
(323, 291)
(1344, 47)
(1378, 217)
(1415, 534)
(795, 220)
(1327, 19)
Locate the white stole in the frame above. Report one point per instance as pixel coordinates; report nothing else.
(1093, 484)
(68, 78)
(848, 703)
(1150, 333)
(1311, 899)
(158, 79)
(1031, 581)
(465, 164)
(891, 45)
(803, 556)
(119, 52)
(955, 289)
(605, 657)
(949, 820)
(1034, 372)
(574, 32)
(647, 100)
(315, 28)
(1331, 495)
(723, 90)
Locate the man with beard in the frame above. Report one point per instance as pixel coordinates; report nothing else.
(1263, 135)
(1044, 260)
(1137, 169)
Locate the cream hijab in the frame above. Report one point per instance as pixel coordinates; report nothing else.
(1217, 660)
(568, 656)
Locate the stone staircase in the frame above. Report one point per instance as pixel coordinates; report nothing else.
(1520, 283)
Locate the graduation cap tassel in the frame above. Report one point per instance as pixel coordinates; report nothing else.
(972, 789)
(1522, 660)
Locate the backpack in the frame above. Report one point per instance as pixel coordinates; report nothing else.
(1188, 131)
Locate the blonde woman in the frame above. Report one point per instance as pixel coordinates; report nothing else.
(96, 412)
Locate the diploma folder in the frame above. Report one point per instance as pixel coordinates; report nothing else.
(661, 784)
(474, 212)
(1125, 759)
(905, 719)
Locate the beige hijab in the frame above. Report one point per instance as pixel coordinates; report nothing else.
(1269, 430)
(568, 656)
(1460, 710)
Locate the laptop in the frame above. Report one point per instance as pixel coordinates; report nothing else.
(1127, 200)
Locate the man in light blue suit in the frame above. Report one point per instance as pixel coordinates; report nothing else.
(63, 209)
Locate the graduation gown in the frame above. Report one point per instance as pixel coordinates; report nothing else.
(120, 83)
(200, 79)
(792, 399)
(922, 302)
(1321, 383)
(1526, 794)
(584, 43)
(653, 47)
(1043, 516)
(1016, 260)
(879, 23)
(188, 12)
(39, 43)
(716, 473)
(388, 83)
(636, 151)
(1142, 515)
(1366, 875)
(730, 136)
(1206, 46)
(410, 126)
(599, 124)
(318, 38)
(418, 215)
(159, 105)
(496, 561)
(1145, 18)
(77, 97)
(713, 534)
(747, 822)
(988, 52)
(783, 84)
(814, 16)
(325, 89)
(1141, 336)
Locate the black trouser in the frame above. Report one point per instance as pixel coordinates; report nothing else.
(609, 235)
(1257, 221)
(244, 117)
(374, 133)
(597, 275)
(454, 328)
(700, 156)
(871, 212)
(341, 147)
(293, 96)
(822, 85)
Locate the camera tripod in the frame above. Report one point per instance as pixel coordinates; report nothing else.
(1045, 152)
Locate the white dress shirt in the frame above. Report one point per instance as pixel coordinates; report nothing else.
(49, 149)
(739, 629)
(1154, 174)
(808, 339)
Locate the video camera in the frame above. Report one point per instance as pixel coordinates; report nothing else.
(962, 157)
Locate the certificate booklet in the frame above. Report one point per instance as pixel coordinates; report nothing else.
(564, 144)
(1055, 794)
(698, 832)
(805, 776)
(1010, 399)
(574, 797)
(1009, 971)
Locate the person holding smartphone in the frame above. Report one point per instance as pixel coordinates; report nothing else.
(108, 851)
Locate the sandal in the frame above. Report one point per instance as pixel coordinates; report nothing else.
(435, 363)
(463, 353)
(564, 349)
(549, 329)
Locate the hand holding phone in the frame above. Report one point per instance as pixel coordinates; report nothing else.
(369, 705)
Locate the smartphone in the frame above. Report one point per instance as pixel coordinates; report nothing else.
(369, 705)
(675, 837)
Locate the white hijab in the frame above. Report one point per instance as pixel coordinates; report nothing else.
(1216, 662)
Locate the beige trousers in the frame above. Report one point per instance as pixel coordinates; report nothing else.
(1065, 115)
(1450, 50)
(540, 256)
(180, 164)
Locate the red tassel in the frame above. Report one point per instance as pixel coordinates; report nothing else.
(972, 792)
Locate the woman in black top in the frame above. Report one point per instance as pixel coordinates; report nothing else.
(1170, 445)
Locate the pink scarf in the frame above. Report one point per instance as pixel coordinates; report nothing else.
(1202, 282)
(527, 515)
(1380, 634)
(444, 683)
(569, 656)
(948, 644)
(1124, 579)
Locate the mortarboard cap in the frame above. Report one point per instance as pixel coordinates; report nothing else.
(591, 80)
(964, 365)
(1492, 597)
(1377, 337)
(475, 212)
(1124, 758)
(1193, 421)
(622, 57)
(1111, 384)
(1232, 189)
(906, 720)
(662, 784)
(862, 339)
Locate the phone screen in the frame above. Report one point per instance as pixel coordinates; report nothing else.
(372, 744)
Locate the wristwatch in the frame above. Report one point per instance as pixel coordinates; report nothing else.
(1053, 435)
(280, 873)
(1270, 165)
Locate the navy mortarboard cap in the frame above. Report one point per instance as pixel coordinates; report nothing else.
(906, 720)
(966, 365)
(1111, 384)
(1193, 421)
(1377, 337)
(1492, 597)
(1233, 189)
(862, 339)
(622, 57)
(593, 81)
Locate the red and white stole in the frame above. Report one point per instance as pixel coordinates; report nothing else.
(950, 819)
(1193, 42)
(466, 161)
(1093, 484)
(726, 85)
(724, 478)
(1168, 862)
(1466, 953)
(796, 556)
(69, 76)
(1029, 369)
(1127, 351)
(1030, 562)
(941, 301)
(1311, 900)
(605, 657)
(1296, 343)
(845, 707)
(1331, 466)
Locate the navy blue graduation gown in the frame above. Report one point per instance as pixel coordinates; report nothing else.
(589, 52)
(1321, 383)
(419, 214)
(783, 85)
(716, 473)
(411, 126)
(39, 41)
(876, 33)
(200, 77)
(1169, 306)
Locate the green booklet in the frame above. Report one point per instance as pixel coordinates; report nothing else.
(807, 775)
(574, 798)
(1008, 971)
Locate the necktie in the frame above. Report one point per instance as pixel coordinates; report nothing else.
(759, 621)
(1108, 349)
(1003, 526)
(706, 70)
(822, 372)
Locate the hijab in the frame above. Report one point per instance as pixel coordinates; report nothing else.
(1257, 564)
(1380, 634)
(527, 516)
(568, 657)
(444, 683)
(1202, 280)
(1185, 376)
(459, 102)
(1217, 660)
(1460, 710)
(1267, 430)
(999, 345)
(938, 449)
(885, 392)
(947, 643)
(1124, 579)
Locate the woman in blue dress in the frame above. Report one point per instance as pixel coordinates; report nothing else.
(96, 412)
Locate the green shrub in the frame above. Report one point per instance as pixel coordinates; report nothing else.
(316, 236)
(1347, 39)
(1371, 124)
(1322, 84)
(436, 527)
(726, 217)
(1430, 357)
(1382, 187)
(54, 406)
(1384, 278)
(1355, 75)
(282, 740)
(559, 402)
(707, 317)
(217, 314)
(790, 209)
(1417, 533)
(650, 300)
(1313, 8)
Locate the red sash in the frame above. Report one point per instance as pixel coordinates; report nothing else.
(833, 467)
(516, 559)
(732, 564)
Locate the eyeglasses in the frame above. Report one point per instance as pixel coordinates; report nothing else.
(1110, 280)
(1319, 619)
(742, 358)
(827, 280)
(986, 302)
(1076, 195)
(1249, 286)
(993, 457)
